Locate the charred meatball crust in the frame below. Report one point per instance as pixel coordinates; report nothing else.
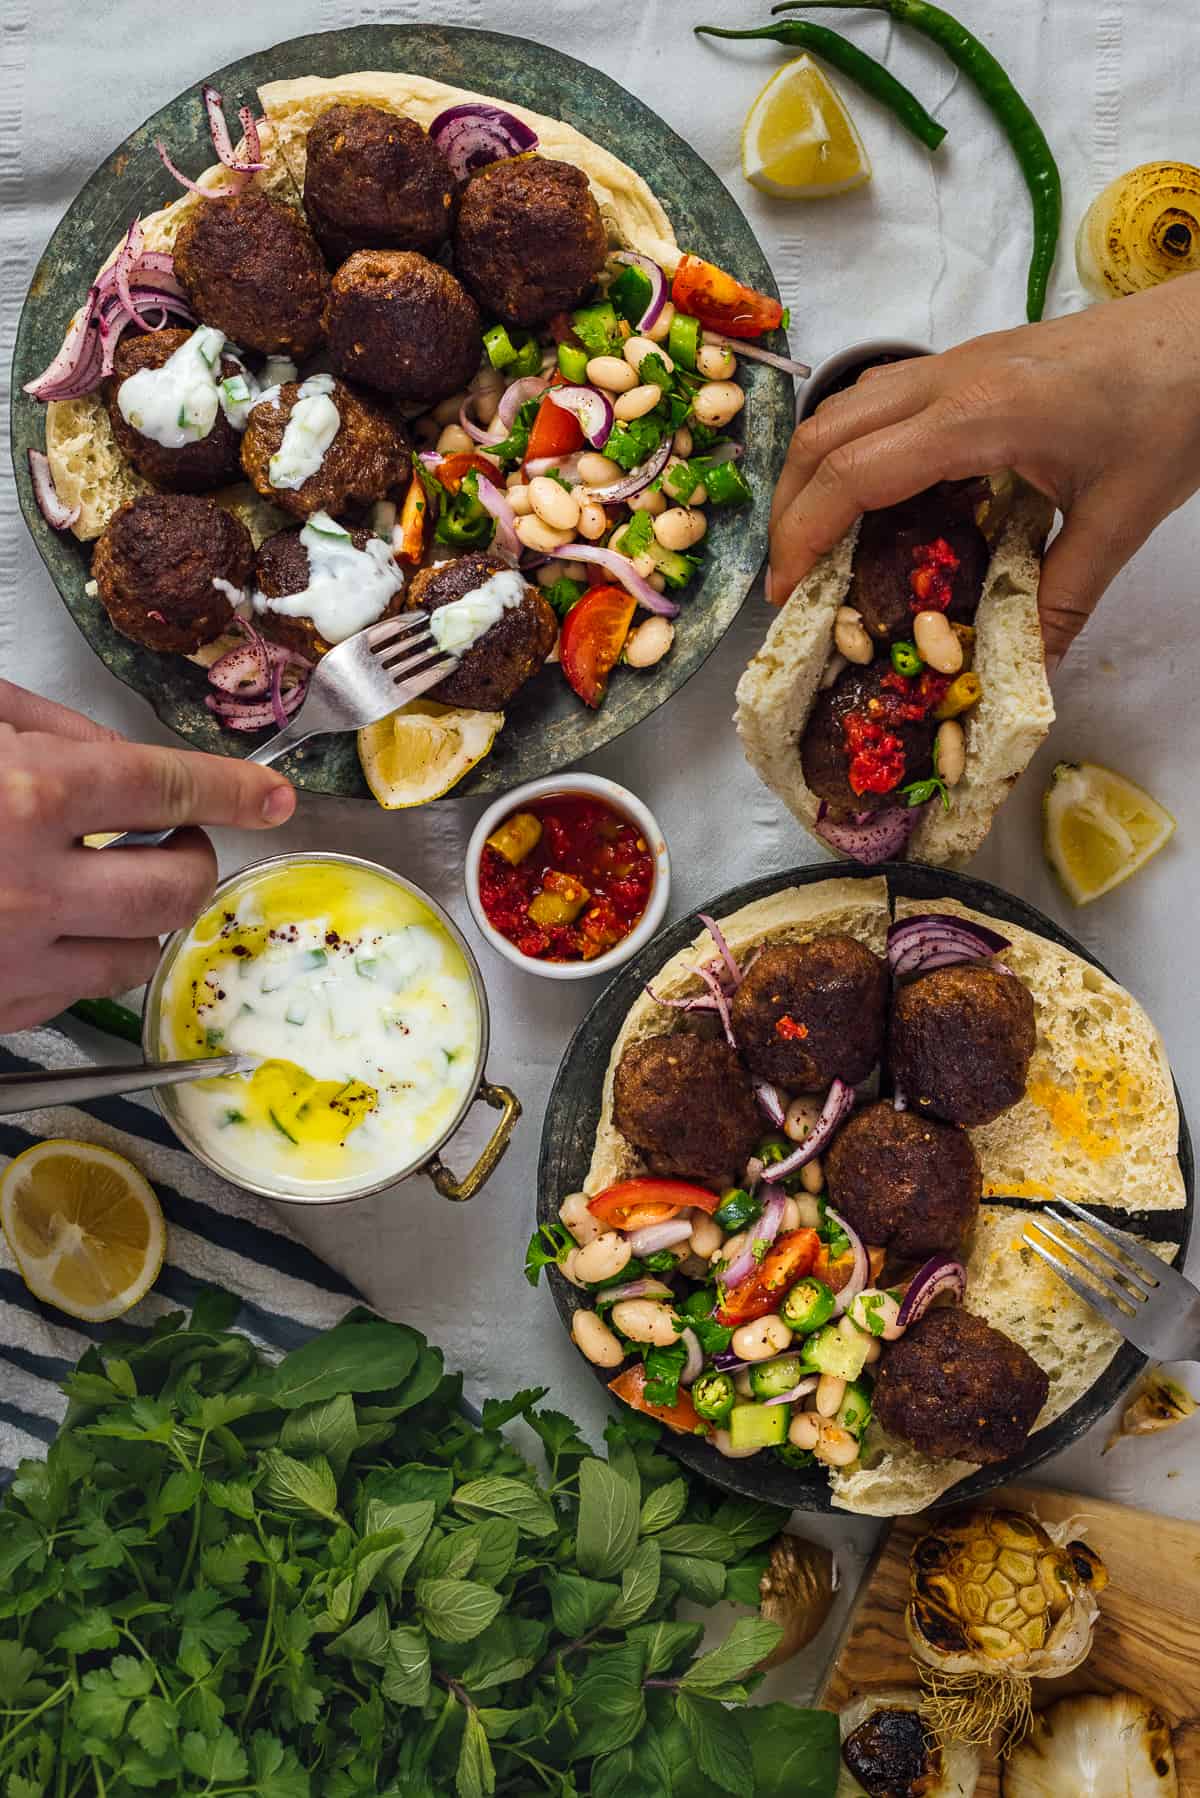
(156, 563)
(282, 567)
(905, 1183)
(367, 460)
(880, 587)
(686, 1104)
(212, 462)
(374, 180)
(403, 325)
(493, 671)
(823, 758)
(834, 990)
(961, 1040)
(529, 240)
(252, 268)
(957, 1389)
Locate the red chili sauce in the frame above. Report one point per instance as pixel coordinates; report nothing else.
(875, 752)
(572, 889)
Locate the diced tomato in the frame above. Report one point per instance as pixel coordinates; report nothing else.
(788, 1259)
(836, 1274)
(451, 469)
(720, 302)
(682, 1415)
(412, 524)
(556, 432)
(593, 635)
(632, 1204)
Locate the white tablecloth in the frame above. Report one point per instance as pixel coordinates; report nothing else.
(934, 251)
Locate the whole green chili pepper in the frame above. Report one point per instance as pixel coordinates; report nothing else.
(108, 1016)
(1034, 155)
(855, 64)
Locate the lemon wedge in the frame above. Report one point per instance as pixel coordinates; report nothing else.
(799, 142)
(85, 1227)
(423, 750)
(1099, 828)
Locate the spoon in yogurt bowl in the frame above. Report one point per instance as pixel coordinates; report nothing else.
(71, 1086)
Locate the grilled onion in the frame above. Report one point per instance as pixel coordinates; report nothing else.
(1142, 230)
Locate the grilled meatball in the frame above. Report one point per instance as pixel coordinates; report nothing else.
(368, 459)
(195, 467)
(961, 1040)
(252, 268)
(957, 1389)
(824, 759)
(282, 567)
(905, 1183)
(529, 240)
(685, 1102)
(403, 325)
(494, 669)
(885, 558)
(156, 565)
(807, 1013)
(891, 1755)
(374, 180)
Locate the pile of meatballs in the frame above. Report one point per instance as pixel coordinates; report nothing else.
(356, 279)
(956, 1044)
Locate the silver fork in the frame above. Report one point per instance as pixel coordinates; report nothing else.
(1147, 1302)
(358, 681)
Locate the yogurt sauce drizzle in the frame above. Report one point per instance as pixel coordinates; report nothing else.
(311, 428)
(177, 404)
(457, 626)
(347, 588)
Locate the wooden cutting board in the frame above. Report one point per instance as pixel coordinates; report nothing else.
(1147, 1638)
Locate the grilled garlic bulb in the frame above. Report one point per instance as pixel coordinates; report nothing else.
(886, 1747)
(1143, 229)
(1117, 1746)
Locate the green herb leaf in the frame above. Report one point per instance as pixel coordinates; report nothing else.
(497, 1412)
(178, 1492)
(577, 1604)
(549, 1246)
(640, 1579)
(476, 1775)
(366, 1357)
(406, 1666)
(216, 1759)
(794, 1753)
(292, 1485)
(700, 1580)
(502, 1497)
(607, 1701)
(717, 1740)
(698, 1539)
(366, 1640)
(607, 1531)
(749, 1641)
(663, 1506)
(277, 1771)
(231, 1495)
(665, 1643)
(456, 1610)
(329, 1427)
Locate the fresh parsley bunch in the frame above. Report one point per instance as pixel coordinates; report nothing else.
(320, 1580)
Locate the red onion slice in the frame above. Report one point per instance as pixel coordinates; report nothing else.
(277, 705)
(873, 836)
(472, 134)
(206, 193)
(722, 947)
(514, 397)
(238, 714)
(771, 1103)
(807, 1384)
(936, 940)
(128, 253)
(693, 1367)
(721, 1000)
(697, 1001)
(862, 1265)
(787, 364)
(653, 1238)
(633, 1289)
(636, 479)
(242, 672)
(592, 408)
(659, 286)
(765, 1230)
(622, 570)
(76, 368)
(506, 541)
(940, 1274)
(57, 515)
(753, 1172)
(839, 1103)
(219, 132)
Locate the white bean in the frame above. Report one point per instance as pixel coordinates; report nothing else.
(791, 1216)
(682, 442)
(593, 521)
(716, 362)
(876, 1313)
(644, 565)
(645, 646)
(612, 374)
(804, 1429)
(573, 571)
(650, 499)
(582, 1222)
(535, 534)
(936, 643)
(603, 1257)
(679, 527)
(812, 1176)
(658, 582)
(801, 1115)
(568, 1269)
(950, 751)
(733, 1247)
(699, 493)
(660, 330)
(830, 1393)
(597, 470)
(851, 638)
(637, 402)
(553, 504)
(717, 402)
(636, 349)
(760, 1340)
(833, 668)
(809, 1210)
(453, 441)
(722, 1441)
(741, 1383)
(593, 1336)
(874, 1350)
(645, 1320)
(836, 1447)
(519, 500)
(446, 411)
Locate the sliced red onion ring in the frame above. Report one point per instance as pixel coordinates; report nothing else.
(636, 479)
(492, 433)
(765, 1230)
(752, 353)
(76, 368)
(622, 570)
(473, 134)
(239, 714)
(697, 1001)
(506, 541)
(839, 1103)
(277, 705)
(653, 1238)
(633, 1289)
(592, 408)
(940, 1274)
(658, 285)
(937, 940)
(206, 193)
(242, 672)
(514, 397)
(806, 1385)
(219, 132)
(720, 998)
(722, 947)
(872, 836)
(693, 1367)
(727, 1362)
(768, 1097)
(57, 515)
(127, 255)
(862, 1265)
(116, 299)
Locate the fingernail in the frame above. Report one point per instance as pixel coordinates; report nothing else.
(768, 588)
(279, 804)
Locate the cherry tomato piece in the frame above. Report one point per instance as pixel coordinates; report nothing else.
(451, 469)
(593, 636)
(555, 432)
(720, 302)
(682, 1415)
(788, 1259)
(632, 1204)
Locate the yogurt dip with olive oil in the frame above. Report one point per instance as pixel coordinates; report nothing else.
(361, 1007)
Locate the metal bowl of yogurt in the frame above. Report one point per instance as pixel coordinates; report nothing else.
(367, 1014)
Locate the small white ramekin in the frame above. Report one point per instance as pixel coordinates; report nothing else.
(816, 388)
(624, 801)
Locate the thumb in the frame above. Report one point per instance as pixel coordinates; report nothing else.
(1088, 553)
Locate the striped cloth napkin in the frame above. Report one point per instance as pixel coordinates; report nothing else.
(217, 1235)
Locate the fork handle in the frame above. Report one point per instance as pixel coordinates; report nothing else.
(266, 753)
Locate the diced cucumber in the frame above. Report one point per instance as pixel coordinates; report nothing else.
(366, 966)
(854, 1412)
(213, 1038)
(830, 1352)
(596, 328)
(770, 1379)
(630, 293)
(298, 1009)
(313, 958)
(274, 978)
(758, 1426)
(683, 340)
(572, 362)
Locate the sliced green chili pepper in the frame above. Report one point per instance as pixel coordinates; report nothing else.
(1034, 155)
(713, 1395)
(108, 1016)
(856, 65)
(737, 1209)
(905, 659)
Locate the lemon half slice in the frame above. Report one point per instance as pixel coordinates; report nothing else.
(85, 1227)
(423, 750)
(799, 142)
(1099, 828)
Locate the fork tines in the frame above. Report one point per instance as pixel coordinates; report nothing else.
(1116, 1288)
(404, 645)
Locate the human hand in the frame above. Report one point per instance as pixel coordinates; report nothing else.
(76, 923)
(1100, 411)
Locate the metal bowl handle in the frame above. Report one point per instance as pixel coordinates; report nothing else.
(508, 1104)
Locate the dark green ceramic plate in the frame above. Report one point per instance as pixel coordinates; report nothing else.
(547, 728)
(574, 1111)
